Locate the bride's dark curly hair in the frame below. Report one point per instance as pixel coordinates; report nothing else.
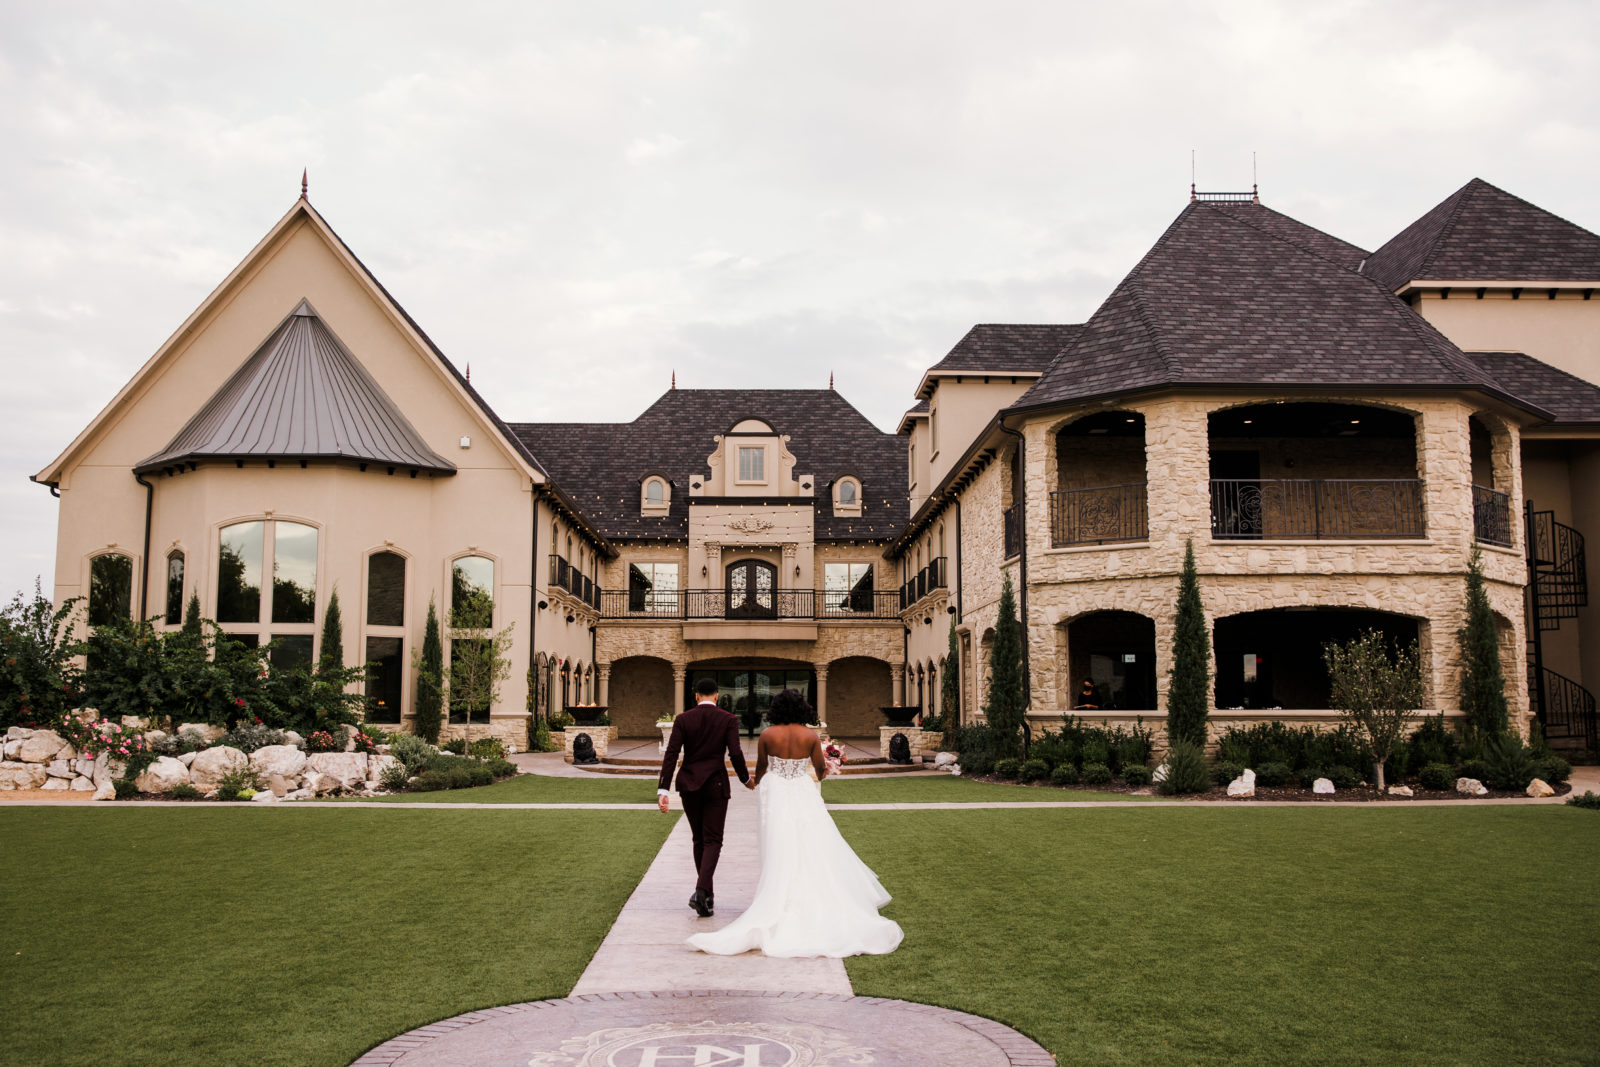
(790, 707)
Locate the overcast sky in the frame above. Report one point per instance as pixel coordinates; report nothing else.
(579, 198)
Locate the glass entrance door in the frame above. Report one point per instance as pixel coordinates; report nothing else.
(748, 691)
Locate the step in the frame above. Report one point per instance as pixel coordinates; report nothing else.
(624, 761)
(859, 767)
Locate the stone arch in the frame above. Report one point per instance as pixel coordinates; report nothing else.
(980, 676)
(1096, 470)
(1492, 454)
(1114, 649)
(639, 691)
(858, 686)
(1272, 658)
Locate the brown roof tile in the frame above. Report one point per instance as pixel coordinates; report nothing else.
(1568, 398)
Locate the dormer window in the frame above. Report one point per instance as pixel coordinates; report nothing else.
(656, 498)
(752, 463)
(847, 496)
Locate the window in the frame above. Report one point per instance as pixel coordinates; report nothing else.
(653, 588)
(292, 652)
(110, 589)
(174, 614)
(847, 496)
(290, 608)
(383, 680)
(386, 589)
(847, 587)
(472, 593)
(469, 656)
(752, 464)
(655, 493)
(847, 492)
(933, 430)
(239, 572)
(912, 453)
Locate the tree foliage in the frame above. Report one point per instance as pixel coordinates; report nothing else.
(39, 679)
(332, 654)
(1189, 695)
(1375, 693)
(950, 685)
(430, 679)
(479, 662)
(1002, 707)
(1483, 688)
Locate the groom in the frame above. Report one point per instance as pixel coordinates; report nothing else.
(703, 734)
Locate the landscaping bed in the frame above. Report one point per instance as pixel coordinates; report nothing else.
(1357, 794)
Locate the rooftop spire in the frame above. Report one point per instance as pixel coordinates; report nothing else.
(469, 371)
(305, 184)
(830, 379)
(674, 378)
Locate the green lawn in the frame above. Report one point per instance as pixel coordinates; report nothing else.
(948, 789)
(539, 789)
(154, 936)
(1291, 935)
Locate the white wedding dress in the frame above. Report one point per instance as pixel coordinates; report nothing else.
(815, 896)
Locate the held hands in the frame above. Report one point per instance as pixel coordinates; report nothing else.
(661, 802)
(749, 783)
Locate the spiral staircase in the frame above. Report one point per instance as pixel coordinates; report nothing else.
(1558, 588)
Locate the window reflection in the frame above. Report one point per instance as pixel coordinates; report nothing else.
(110, 589)
(386, 590)
(239, 572)
(294, 573)
(472, 593)
(174, 588)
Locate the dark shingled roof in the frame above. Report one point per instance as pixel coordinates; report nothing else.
(1567, 397)
(604, 463)
(301, 395)
(994, 348)
(1231, 295)
(1481, 233)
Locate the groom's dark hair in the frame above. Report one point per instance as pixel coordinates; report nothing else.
(705, 687)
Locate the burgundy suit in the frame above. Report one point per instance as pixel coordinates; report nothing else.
(704, 734)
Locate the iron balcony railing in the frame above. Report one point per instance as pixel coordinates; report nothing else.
(565, 576)
(1565, 709)
(928, 580)
(1103, 514)
(835, 604)
(1491, 516)
(1316, 508)
(1011, 522)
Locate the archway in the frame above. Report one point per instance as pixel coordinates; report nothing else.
(1099, 496)
(1116, 652)
(1273, 658)
(639, 691)
(857, 687)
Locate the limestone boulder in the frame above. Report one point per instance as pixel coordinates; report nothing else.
(59, 768)
(16, 733)
(81, 785)
(67, 752)
(322, 785)
(55, 785)
(285, 760)
(1244, 785)
(211, 764)
(205, 730)
(152, 737)
(349, 769)
(266, 796)
(106, 769)
(12, 749)
(16, 775)
(290, 737)
(955, 769)
(104, 791)
(41, 746)
(1470, 787)
(1540, 788)
(1161, 773)
(161, 776)
(1400, 790)
(187, 758)
(299, 794)
(1322, 785)
(376, 765)
(945, 759)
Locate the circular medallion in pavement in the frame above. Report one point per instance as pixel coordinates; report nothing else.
(712, 1029)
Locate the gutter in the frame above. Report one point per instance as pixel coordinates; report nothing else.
(144, 578)
(533, 606)
(1021, 495)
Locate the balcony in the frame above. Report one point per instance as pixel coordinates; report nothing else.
(1011, 523)
(1100, 515)
(565, 576)
(798, 604)
(1491, 516)
(1316, 508)
(929, 579)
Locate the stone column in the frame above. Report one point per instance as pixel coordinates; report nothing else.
(680, 671)
(604, 695)
(822, 691)
(898, 671)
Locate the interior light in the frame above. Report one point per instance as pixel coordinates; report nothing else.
(1355, 422)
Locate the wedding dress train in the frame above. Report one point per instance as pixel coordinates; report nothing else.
(815, 897)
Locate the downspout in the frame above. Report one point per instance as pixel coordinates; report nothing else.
(961, 681)
(1020, 495)
(533, 607)
(144, 579)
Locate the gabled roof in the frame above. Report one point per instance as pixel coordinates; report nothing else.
(1231, 295)
(995, 348)
(1481, 233)
(1569, 399)
(301, 395)
(673, 437)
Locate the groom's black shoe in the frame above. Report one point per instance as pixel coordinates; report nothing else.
(701, 903)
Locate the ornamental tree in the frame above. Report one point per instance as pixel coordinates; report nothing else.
(950, 687)
(1483, 688)
(1189, 695)
(1375, 694)
(1002, 707)
(429, 663)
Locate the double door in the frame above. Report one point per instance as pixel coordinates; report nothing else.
(748, 691)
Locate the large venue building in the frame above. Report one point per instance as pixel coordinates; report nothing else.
(1333, 430)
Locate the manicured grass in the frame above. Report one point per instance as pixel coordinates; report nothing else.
(539, 789)
(948, 789)
(162, 936)
(1302, 935)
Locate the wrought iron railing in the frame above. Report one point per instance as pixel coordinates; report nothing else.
(929, 579)
(1011, 523)
(1558, 569)
(1566, 709)
(565, 576)
(1491, 516)
(1316, 508)
(837, 604)
(1099, 515)
(560, 573)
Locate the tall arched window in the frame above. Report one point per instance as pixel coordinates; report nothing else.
(287, 613)
(174, 613)
(385, 640)
(110, 588)
(472, 593)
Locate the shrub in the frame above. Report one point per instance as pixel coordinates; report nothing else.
(1553, 769)
(1007, 768)
(487, 748)
(365, 742)
(1434, 742)
(979, 747)
(1274, 775)
(247, 737)
(502, 768)
(456, 745)
(1475, 768)
(39, 675)
(1055, 749)
(1437, 776)
(1066, 774)
(1225, 771)
(1399, 763)
(430, 781)
(1186, 770)
(237, 785)
(1308, 777)
(1095, 750)
(184, 791)
(1096, 774)
(394, 777)
(1136, 774)
(379, 735)
(1590, 800)
(1136, 748)
(1511, 764)
(1345, 777)
(1003, 707)
(125, 789)
(412, 751)
(323, 741)
(1032, 770)
(1483, 696)
(1233, 749)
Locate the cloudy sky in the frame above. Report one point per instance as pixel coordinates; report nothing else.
(579, 198)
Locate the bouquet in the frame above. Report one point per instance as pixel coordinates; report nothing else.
(833, 756)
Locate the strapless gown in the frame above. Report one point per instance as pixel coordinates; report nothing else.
(815, 897)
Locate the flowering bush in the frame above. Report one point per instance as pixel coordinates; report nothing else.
(123, 742)
(322, 741)
(364, 742)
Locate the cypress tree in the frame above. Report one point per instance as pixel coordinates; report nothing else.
(1189, 695)
(430, 670)
(1002, 708)
(950, 694)
(191, 619)
(1483, 689)
(332, 657)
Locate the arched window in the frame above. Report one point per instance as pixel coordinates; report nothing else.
(656, 495)
(847, 492)
(174, 614)
(385, 643)
(287, 613)
(110, 588)
(386, 589)
(472, 593)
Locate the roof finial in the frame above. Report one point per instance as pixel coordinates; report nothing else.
(469, 371)
(830, 379)
(305, 184)
(674, 377)
(1255, 189)
(1192, 196)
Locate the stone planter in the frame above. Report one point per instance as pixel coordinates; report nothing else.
(922, 742)
(602, 736)
(900, 716)
(666, 734)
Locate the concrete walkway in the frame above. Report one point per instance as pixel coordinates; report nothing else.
(645, 950)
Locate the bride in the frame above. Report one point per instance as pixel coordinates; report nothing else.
(815, 897)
